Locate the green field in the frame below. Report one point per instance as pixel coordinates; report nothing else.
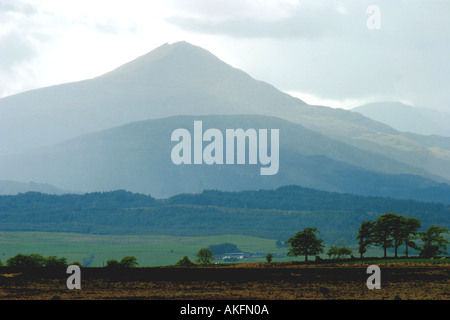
(150, 250)
(95, 250)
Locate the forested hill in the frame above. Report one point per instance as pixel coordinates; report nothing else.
(275, 214)
(41, 202)
(288, 198)
(306, 199)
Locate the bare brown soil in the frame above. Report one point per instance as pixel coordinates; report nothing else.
(284, 281)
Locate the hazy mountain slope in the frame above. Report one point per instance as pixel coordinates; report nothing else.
(184, 79)
(408, 118)
(171, 80)
(136, 157)
(14, 187)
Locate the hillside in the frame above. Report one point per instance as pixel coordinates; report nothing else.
(137, 157)
(408, 118)
(274, 214)
(14, 187)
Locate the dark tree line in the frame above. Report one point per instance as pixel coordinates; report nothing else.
(36, 260)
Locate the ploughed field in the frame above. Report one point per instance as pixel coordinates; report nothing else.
(280, 281)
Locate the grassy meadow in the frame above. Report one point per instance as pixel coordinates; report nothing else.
(150, 250)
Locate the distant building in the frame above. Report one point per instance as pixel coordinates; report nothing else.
(237, 255)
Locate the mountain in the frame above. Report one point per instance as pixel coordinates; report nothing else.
(137, 157)
(407, 118)
(183, 79)
(14, 187)
(113, 132)
(171, 80)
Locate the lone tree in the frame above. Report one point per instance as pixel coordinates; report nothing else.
(269, 258)
(76, 263)
(185, 262)
(410, 229)
(129, 262)
(332, 252)
(338, 252)
(113, 264)
(126, 262)
(55, 262)
(365, 236)
(305, 243)
(398, 225)
(204, 256)
(434, 242)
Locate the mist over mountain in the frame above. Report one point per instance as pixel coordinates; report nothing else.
(171, 80)
(113, 132)
(14, 187)
(183, 79)
(407, 118)
(137, 157)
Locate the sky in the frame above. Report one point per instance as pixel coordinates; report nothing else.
(327, 52)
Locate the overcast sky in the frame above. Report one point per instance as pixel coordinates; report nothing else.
(320, 50)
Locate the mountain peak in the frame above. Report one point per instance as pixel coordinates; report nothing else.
(181, 55)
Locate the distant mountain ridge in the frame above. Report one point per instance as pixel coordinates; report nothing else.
(14, 187)
(407, 118)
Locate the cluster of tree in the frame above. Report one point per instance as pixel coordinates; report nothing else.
(125, 262)
(281, 244)
(185, 262)
(391, 230)
(224, 248)
(38, 261)
(204, 257)
(338, 252)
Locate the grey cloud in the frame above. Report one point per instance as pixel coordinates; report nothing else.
(251, 28)
(232, 9)
(309, 22)
(331, 53)
(16, 42)
(116, 27)
(17, 7)
(17, 50)
(19, 42)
